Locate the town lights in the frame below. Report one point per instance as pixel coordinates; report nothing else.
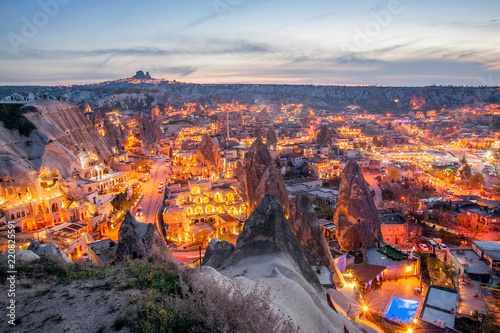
(365, 308)
(408, 268)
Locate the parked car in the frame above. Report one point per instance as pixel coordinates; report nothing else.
(162, 183)
(443, 246)
(423, 247)
(139, 212)
(160, 189)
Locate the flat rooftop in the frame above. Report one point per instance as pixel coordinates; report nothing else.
(470, 261)
(392, 219)
(376, 258)
(491, 248)
(300, 180)
(440, 305)
(98, 180)
(323, 275)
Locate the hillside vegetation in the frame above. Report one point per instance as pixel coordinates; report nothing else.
(135, 296)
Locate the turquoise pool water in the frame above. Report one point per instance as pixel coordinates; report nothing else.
(402, 310)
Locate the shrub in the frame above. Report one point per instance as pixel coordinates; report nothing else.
(12, 117)
(229, 307)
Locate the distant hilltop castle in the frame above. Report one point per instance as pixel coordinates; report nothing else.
(139, 75)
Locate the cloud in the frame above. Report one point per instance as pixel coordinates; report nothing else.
(181, 71)
(208, 47)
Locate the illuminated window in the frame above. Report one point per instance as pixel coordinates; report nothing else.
(196, 190)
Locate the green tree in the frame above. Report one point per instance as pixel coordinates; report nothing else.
(394, 174)
(477, 180)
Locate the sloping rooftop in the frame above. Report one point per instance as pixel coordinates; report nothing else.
(227, 218)
(364, 273)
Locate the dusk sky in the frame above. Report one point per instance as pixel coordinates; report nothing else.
(252, 41)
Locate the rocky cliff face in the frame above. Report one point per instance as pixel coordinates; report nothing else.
(356, 219)
(140, 240)
(271, 139)
(324, 138)
(268, 254)
(150, 132)
(261, 176)
(305, 226)
(208, 152)
(62, 141)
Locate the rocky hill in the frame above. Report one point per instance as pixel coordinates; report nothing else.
(143, 94)
(263, 284)
(53, 140)
(268, 255)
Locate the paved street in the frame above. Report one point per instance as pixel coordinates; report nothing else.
(151, 198)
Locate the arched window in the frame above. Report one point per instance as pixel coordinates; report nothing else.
(206, 199)
(39, 209)
(189, 211)
(55, 207)
(198, 200)
(209, 209)
(89, 189)
(218, 197)
(12, 217)
(229, 197)
(196, 190)
(198, 210)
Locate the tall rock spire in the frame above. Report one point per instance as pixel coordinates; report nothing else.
(356, 218)
(261, 176)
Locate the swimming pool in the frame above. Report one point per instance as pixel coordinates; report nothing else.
(402, 310)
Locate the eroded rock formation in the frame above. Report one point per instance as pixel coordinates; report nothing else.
(271, 139)
(261, 176)
(356, 218)
(268, 255)
(51, 250)
(140, 240)
(63, 141)
(150, 131)
(208, 152)
(305, 226)
(266, 232)
(324, 137)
